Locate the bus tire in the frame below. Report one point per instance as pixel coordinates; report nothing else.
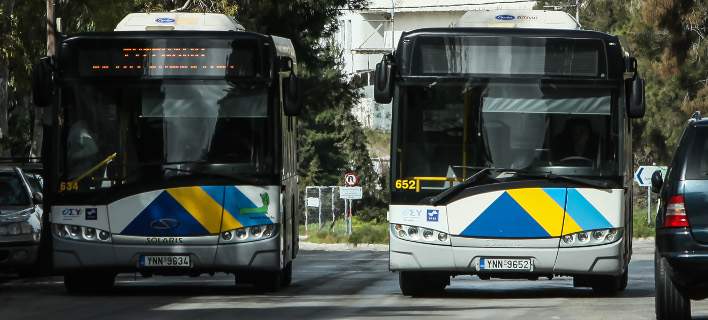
(263, 281)
(287, 275)
(84, 283)
(416, 284)
(671, 303)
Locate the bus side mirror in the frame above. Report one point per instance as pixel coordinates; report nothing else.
(656, 181)
(43, 82)
(291, 95)
(383, 82)
(636, 99)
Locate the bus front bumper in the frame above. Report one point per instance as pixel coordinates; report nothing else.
(597, 260)
(261, 255)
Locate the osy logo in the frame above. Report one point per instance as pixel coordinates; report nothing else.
(433, 215)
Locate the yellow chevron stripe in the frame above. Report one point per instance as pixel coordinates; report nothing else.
(541, 207)
(200, 205)
(570, 226)
(228, 222)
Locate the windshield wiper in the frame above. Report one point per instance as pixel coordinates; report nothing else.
(459, 187)
(551, 176)
(211, 174)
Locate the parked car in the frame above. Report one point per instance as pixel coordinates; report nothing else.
(681, 263)
(20, 219)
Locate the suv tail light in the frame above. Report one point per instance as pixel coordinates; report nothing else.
(676, 213)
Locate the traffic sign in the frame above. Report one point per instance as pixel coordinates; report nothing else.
(313, 202)
(353, 193)
(643, 175)
(351, 179)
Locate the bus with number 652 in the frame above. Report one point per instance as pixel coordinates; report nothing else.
(511, 151)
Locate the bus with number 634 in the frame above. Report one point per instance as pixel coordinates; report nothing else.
(172, 146)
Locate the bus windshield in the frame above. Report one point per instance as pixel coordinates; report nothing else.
(122, 132)
(453, 129)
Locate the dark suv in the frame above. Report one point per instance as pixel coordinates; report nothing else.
(681, 259)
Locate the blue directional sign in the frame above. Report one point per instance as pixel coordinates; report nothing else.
(643, 175)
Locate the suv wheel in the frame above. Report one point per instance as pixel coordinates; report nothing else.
(422, 283)
(671, 303)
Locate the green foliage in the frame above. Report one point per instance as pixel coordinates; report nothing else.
(639, 223)
(362, 232)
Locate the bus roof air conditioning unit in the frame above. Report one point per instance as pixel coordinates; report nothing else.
(168, 21)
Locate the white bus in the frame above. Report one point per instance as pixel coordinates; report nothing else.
(511, 151)
(173, 151)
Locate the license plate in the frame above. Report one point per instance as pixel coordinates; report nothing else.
(165, 261)
(506, 264)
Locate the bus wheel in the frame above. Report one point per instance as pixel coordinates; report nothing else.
(83, 283)
(287, 275)
(422, 283)
(609, 285)
(262, 281)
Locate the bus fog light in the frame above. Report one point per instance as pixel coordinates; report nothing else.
(268, 231)
(74, 231)
(241, 233)
(89, 233)
(428, 234)
(568, 238)
(256, 231)
(442, 237)
(583, 236)
(598, 234)
(103, 235)
(413, 232)
(226, 235)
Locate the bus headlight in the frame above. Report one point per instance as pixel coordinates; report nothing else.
(591, 237)
(247, 234)
(419, 234)
(81, 233)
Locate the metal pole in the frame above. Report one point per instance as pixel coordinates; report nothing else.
(346, 221)
(393, 26)
(349, 215)
(577, 11)
(648, 205)
(319, 197)
(307, 208)
(333, 217)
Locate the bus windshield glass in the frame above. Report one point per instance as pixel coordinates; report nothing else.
(506, 56)
(120, 132)
(453, 129)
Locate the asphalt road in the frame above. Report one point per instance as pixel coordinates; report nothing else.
(335, 285)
